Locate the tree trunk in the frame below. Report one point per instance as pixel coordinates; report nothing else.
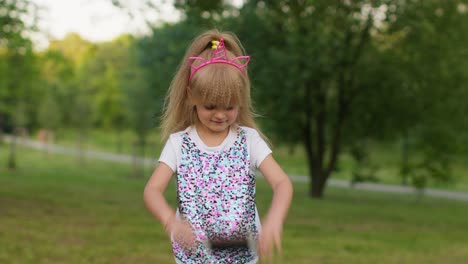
(136, 166)
(405, 159)
(314, 139)
(119, 141)
(316, 171)
(319, 167)
(138, 157)
(318, 180)
(81, 147)
(12, 156)
(142, 155)
(1, 128)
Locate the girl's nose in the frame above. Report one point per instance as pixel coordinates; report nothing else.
(219, 114)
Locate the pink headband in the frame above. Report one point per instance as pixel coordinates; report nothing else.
(219, 56)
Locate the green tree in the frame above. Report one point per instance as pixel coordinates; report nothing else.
(333, 73)
(306, 71)
(49, 115)
(416, 91)
(21, 94)
(433, 69)
(78, 93)
(156, 57)
(57, 73)
(141, 104)
(17, 66)
(104, 76)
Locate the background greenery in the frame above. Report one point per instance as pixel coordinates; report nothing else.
(364, 91)
(331, 79)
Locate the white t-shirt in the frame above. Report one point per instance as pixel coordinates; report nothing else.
(257, 147)
(258, 150)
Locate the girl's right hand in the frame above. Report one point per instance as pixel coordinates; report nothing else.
(182, 232)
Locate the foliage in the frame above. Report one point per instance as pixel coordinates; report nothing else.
(429, 53)
(140, 100)
(328, 74)
(57, 74)
(17, 18)
(318, 47)
(17, 61)
(365, 169)
(103, 74)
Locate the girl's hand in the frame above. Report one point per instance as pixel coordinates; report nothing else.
(270, 235)
(182, 232)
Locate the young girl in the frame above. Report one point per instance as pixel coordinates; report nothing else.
(214, 147)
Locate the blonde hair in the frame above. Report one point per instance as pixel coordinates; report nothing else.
(218, 84)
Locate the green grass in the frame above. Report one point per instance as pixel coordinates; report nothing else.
(53, 210)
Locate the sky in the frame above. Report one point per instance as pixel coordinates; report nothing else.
(94, 20)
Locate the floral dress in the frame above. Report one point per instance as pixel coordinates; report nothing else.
(216, 195)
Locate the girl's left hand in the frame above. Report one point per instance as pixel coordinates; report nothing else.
(270, 235)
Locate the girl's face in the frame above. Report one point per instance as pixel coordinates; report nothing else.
(214, 118)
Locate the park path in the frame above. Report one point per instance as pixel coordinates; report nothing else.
(123, 158)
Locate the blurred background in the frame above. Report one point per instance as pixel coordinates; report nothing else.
(364, 102)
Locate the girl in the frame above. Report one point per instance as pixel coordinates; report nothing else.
(214, 147)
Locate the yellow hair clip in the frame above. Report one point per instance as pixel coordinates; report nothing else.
(214, 44)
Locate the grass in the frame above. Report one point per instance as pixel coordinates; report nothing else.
(53, 210)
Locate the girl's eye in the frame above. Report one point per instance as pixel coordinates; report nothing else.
(209, 107)
(230, 108)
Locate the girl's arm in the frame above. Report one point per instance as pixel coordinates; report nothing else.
(153, 195)
(282, 195)
(160, 209)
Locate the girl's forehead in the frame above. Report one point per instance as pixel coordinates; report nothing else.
(216, 103)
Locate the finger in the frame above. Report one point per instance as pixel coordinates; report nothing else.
(186, 227)
(277, 241)
(270, 255)
(184, 235)
(266, 248)
(262, 246)
(264, 256)
(271, 249)
(189, 235)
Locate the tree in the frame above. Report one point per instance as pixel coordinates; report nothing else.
(317, 47)
(104, 76)
(57, 76)
(77, 103)
(433, 41)
(17, 18)
(343, 77)
(419, 100)
(17, 66)
(140, 102)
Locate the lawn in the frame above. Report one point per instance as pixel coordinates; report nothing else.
(53, 210)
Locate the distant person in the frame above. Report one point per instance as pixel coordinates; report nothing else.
(214, 147)
(42, 136)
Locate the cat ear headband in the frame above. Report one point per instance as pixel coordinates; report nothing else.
(219, 56)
